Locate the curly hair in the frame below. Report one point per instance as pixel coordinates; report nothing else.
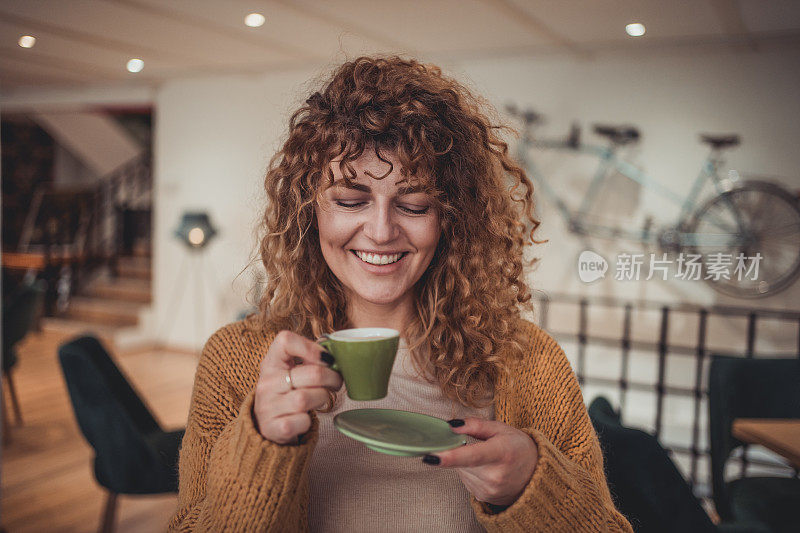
(468, 301)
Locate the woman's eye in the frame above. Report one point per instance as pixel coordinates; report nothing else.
(421, 211)
(348, 204)
(353, 204)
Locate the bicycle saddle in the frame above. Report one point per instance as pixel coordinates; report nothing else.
(532, 117)
(720, 141)
(529, 116)
(618, 134)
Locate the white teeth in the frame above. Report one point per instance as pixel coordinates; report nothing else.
(377, 259)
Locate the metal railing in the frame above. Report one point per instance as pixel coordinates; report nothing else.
(94, 240)
(583, 341)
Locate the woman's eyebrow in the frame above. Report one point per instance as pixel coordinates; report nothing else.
(365, 188)
(411, 189)
(341, 182)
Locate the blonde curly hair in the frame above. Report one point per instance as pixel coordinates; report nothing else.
(468, 302)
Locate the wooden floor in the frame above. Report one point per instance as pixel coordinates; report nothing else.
(47, 478)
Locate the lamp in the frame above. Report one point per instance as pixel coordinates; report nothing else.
(195, 229)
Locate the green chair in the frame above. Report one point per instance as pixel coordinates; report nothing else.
(19, 315)
(752, 388)
(646, 485)
(133, 454)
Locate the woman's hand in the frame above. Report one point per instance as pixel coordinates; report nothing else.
(286, 391)
(495, 471)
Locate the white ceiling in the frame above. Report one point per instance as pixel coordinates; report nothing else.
(88, 42)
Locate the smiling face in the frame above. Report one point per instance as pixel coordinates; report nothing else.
(378, 237)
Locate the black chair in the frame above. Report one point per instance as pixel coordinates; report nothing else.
(19, 315)
(646, 485)
(752, 388)
(133, 455)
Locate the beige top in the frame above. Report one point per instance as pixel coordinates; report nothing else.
(355, 489)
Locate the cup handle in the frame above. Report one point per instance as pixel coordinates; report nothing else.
(325, 342)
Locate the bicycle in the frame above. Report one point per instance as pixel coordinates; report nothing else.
(751, 216)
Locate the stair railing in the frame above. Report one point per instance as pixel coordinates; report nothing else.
(30, 220)
(70, 259)
(126, 187)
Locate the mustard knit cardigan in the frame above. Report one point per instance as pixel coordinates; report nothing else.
(232, 479)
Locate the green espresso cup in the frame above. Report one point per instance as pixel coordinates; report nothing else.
(364, 357)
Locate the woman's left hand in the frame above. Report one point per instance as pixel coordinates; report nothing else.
(496, 470)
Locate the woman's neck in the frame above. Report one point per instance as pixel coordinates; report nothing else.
(367, 315)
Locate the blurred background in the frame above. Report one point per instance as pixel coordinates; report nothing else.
(135, 137)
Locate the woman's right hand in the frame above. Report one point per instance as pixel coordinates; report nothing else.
(282, 412)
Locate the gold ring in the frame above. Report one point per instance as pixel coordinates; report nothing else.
(289, 379)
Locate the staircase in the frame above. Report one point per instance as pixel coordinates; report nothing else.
(109, 305)
(79, 234)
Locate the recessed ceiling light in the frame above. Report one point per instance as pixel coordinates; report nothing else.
(135, 65)
(254, 20)
(27, 41)
(635, 29)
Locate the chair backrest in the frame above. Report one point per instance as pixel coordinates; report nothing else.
(20, 313)
(112, 417)
(745, 388)
(647, 487)
(601, 409)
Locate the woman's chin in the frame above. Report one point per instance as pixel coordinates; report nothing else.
(383, 300)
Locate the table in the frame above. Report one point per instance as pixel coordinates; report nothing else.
(780, 435)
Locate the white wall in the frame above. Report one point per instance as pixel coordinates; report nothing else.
(214, 137)
(213, 140)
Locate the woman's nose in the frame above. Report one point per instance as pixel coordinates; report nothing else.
(381, 226)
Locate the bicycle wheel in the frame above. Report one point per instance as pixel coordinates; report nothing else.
(756, 218)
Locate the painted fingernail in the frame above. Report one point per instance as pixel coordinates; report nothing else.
(431, 460)
(456, 422)
(326, 357)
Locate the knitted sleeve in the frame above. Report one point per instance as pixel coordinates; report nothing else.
(231, 478)
(568, 490)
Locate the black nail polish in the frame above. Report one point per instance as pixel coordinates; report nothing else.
(456, 422)
(431, 460)
(326, 357)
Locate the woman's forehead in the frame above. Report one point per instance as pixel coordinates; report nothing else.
(367, 164)
(366, 171)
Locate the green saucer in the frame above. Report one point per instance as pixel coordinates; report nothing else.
(398, 432)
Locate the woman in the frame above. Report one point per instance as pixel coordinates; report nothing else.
(392, 203)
